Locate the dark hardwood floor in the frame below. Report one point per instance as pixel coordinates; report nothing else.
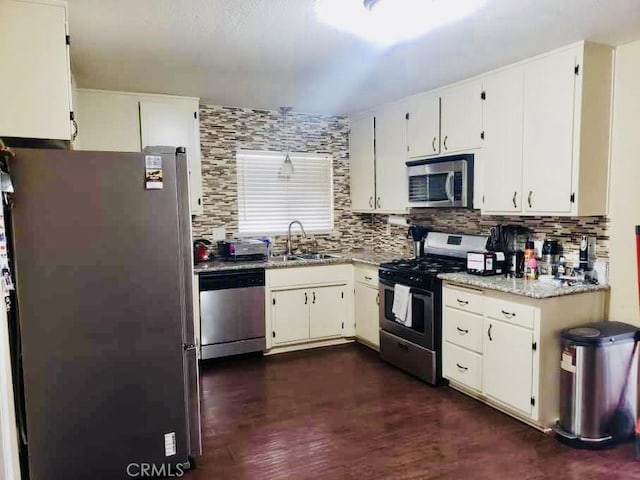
(341, 413)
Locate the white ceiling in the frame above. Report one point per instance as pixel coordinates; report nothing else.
(268, 53)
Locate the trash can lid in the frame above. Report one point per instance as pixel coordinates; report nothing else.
(600, 333)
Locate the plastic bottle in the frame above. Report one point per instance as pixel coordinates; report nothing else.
(530, 262)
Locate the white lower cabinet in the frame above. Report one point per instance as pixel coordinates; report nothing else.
(290, 321)
(508, 361)
(327, 312)
(367, 306)
(307, 305)
(504, 349)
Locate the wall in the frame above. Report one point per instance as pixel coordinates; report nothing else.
(225, 130)
(624, 196)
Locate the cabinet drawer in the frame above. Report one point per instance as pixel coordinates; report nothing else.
(510, 312)
(463, 366)
(463, 329)
(467, 300)
(367, 275)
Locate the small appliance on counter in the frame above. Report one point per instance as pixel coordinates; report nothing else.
(201, 250)
(550, 257)
(510, 240)
(417, 233)
(587, 254)
(598, 384)
(485, 263)
(243, 249)
(515, 238)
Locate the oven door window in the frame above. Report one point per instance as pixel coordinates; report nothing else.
(429, 188)
(419, 309)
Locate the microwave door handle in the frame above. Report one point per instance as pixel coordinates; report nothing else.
(449, 187)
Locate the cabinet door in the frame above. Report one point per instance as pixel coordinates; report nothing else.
(35, 82)
(508, 364)
(175, 124)
(391, 155)
(423, 126)
(549, 91)
(367, 314)
(361, 157)
(461, 115)
(328, 312)
(290, 316)
(502, 147)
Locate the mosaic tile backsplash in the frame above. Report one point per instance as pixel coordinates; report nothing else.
(225, 130)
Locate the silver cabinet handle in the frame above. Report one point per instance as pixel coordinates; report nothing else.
(378, 202)
(314, 298)
(433, 143)
(529, 198)
(306, 298)
(462, 331)
(445, 142)
(489, 333)
(461, 368)
(508, 314)
(370, 202)
(515, 195)
(462, 302)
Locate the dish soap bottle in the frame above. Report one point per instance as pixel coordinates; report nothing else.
(530, 262)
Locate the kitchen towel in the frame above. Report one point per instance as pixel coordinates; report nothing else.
(402, 304)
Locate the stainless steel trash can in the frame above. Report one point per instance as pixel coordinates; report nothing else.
(598, 384)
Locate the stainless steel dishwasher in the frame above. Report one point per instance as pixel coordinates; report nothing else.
(231, 312)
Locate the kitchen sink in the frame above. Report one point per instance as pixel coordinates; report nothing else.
(316, 256)
(283, 258)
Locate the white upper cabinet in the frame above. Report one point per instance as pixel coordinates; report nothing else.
(390, 158)
(129, 122)
(567, 112)
(175, 124)
(461, 118)
(549, 103)
(35, 83)
(378, 152)
(561, 134)
(423, 126)
(502, 147)
(362, 160)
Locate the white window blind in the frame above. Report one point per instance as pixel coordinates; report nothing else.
(268, 202)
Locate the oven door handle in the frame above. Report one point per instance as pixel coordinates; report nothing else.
(449, 186)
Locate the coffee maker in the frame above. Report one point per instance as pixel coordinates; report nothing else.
(513, 240)
(417, 233)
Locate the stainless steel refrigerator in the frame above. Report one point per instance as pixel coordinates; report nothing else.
(101, 248)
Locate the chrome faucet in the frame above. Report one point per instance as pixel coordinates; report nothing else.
(289, 235)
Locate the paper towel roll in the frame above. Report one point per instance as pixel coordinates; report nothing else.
(398, 221)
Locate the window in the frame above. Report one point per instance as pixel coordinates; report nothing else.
(268, 202)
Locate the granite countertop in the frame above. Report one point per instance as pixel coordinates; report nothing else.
(221, 265)
(518, 286)
(372, 258)
(365, 257)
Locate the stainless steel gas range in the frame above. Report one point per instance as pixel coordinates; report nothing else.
(414, 344)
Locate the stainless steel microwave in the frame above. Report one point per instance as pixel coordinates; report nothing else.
(441, 182)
